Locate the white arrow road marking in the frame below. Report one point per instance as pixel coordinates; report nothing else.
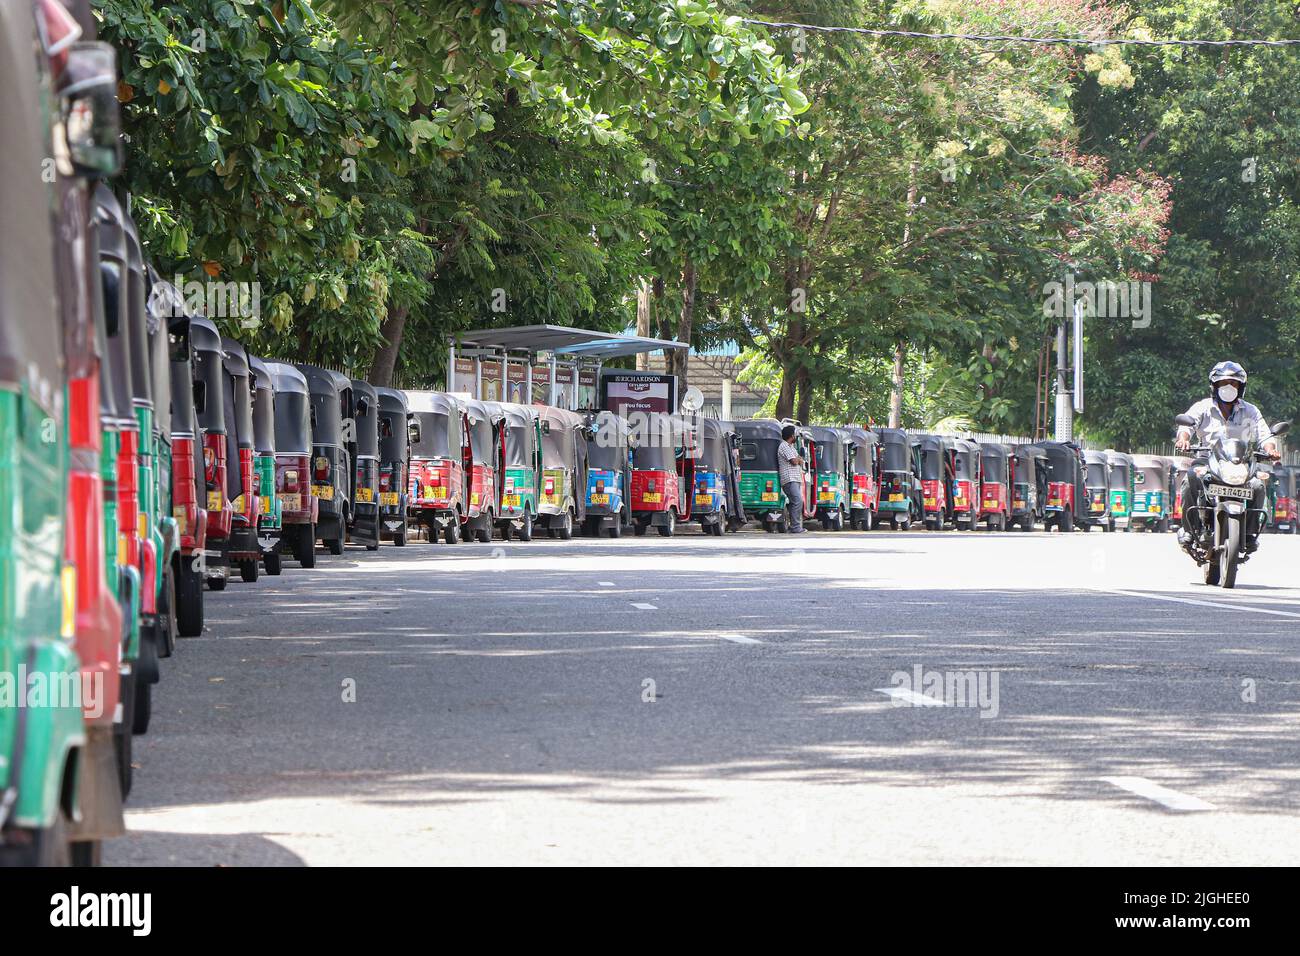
(1218, 604)
(739, 639)
(644, 607)
(911, 696)
(1170, 799)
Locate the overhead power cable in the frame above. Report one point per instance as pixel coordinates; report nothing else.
(1001, 38)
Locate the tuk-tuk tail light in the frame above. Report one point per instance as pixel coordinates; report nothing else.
(322, 467)
(209, 463)
(290, 480)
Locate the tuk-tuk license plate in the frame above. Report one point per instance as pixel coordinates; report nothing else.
(266, 506)
(323, 492)
(365, 494)
(652, 497)
(599, 499)
(238, 505)
(704, 499)
(769, 496)
(990, 505)
(510, 501)
(291, 502)
(1227, 491)
(895, 497)
(826, 496)
(929, 502)
(1098, 506)
(214, 501)
(390, 498)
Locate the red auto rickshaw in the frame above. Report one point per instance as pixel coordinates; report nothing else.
(865, 494)
(243, 550)
(663, 472)
(995, 488)
(437, 471)
(483, 460)
(210, 402)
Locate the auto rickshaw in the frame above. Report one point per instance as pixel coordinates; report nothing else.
(1121, 488)
(936, 453)
(124, 483)
(364, 449)
(1066, 492)
(1096, 465)
(1028, 486)
(482, 455)
(188, 492)
(243, 550)
(437, 466)
(864, 469)
(210, 387)
(270, 515)
(760, 482)
(717, 482)
(966, 478)
(1284, 506)
(563, 501)
(298, 508)
(41, 746)
(394, 453)
(331, 474)
(900, 485)
(1181, 464)
(521, 468)
(609, 475)
(663, 472)
(1152, 478)
(833, 476)
(995, 488)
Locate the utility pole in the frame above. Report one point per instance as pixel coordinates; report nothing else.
(1069, 378)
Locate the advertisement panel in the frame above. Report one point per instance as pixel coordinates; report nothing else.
(628, 392)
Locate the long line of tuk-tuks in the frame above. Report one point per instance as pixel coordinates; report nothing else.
(145, 458)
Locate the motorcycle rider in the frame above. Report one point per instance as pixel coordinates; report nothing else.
(1224, 409)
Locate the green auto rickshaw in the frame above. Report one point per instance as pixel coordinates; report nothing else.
(900, 483)
(523, 469)
(1152, 506)
(1097, 487)
(270, 510)
(1121, 488)
(834, 476)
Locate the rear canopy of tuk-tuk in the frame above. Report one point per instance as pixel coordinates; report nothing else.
(1121, 469)
(482, 421)
(657, 439)
(323, 386)
(759, 441)
(865, 443)
(1028, 458)
(967, 458)
(610, 442)
(993, 460)
(832, 455)
(714, 446)
(895, 450)
(240, 400)
(438, 419)
(31, 346)
(263, 406)
(292, 409)
(365, 412)
(1151, 472)
(393, 433)
(1097, 467)
(210, 387)
(560, 434)
(934, 449)
(110, 237)
(165, 305)
(142, 392)
(520, 434)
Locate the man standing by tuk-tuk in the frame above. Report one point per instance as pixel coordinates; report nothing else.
(790, 467)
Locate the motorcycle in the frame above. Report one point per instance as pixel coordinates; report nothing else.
(1231, 477)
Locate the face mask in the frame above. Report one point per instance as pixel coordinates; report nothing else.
(1228, 394)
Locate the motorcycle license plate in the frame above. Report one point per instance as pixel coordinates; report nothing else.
(652, 497)
(365, 494)
(769, 496)
(390, 498)
(214, 501)
(323, 492)
(1227, 491)
(291, 502)
(510, 501)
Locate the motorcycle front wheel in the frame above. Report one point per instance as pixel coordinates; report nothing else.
(1229, 555)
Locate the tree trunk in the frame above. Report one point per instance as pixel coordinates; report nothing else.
(804, 380)
(896, 390)
(679, 360)
(643, 322)
(785, 397)
(385, 360)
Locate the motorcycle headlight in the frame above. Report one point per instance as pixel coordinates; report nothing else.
(1234, 474)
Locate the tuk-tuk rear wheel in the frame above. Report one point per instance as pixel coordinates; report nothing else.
(248, 569)
(616, 529)
(305, 546)
(666, 530)
(484, 535)
(452, 534)
(273, 561)
(217, 582)
(335, 545)
(565, 530)
(526, 527)
(189, 599)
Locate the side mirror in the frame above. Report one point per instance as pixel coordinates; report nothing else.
(1281, 428)
(92, 125)
(1185, 420)
(546, 427)
(413, 431)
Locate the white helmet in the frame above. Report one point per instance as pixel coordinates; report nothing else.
(1227, 372)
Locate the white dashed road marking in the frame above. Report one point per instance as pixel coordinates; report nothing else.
(1170, 799)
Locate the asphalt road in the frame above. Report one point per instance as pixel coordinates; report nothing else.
(735, 700)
